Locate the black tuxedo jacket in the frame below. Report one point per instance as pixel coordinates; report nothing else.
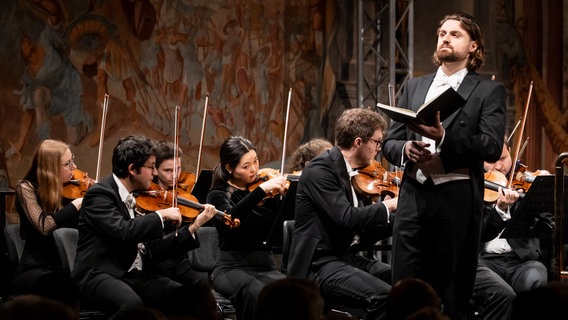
(492, 224)
(474, 133)
(325, 214)
(108, 236)
(167, 252)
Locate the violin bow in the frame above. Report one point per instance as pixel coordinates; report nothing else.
(518, 122)
(279, 213)
(201, 139)
(518, 144)
(514, 129)
(176, 153)
(285, 132)
(523, 147)
(102, 136)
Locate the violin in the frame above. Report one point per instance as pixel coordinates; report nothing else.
(186, 181)
(374, 180)
(493, 180)
(524, 179)
(156, 199)
(78, 185)
(266, 174)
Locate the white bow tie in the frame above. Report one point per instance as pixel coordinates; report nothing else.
(453, 82)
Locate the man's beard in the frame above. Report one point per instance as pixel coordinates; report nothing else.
(446, 56)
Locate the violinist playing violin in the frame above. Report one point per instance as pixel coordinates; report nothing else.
(306, 152)
(245, 264)
(329, 215)
(505, 266)
(43, 209)
(298, 161)
(109, 266)
(173, 261)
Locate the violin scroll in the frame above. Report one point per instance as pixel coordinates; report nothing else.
(227, 219)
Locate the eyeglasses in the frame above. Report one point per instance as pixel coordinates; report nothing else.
(151, 167)
(69, 163)
(378, 143)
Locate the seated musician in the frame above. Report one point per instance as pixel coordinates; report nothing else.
(245, 263)
(306, 152)
(111, 234)
(172, 262)
(43, 209)
(329, 215)
(298, 161)
(505, 266)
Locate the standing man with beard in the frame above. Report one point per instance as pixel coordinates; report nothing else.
(436, 233)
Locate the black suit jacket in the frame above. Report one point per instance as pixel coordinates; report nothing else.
(492, 224)
(167, 252)
(325, 214)
(108, 237)
(474, 133)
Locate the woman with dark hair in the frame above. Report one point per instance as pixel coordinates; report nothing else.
(245, 264)
(42, 209)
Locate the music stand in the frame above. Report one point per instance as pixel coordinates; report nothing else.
(203, 185)
(527, 221)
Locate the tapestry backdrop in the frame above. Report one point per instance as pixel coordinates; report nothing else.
(237, 59)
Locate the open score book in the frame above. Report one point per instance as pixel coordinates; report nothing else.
(447, 102)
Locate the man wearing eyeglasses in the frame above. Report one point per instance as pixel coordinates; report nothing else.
(108, 266)
(329, 216)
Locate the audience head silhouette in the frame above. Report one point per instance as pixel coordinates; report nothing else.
(410, 295)
(35, 307)
(191, 302)
(290, 298)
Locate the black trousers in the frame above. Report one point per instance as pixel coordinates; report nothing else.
(113, 295)
(435, 238)
(354, 281)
